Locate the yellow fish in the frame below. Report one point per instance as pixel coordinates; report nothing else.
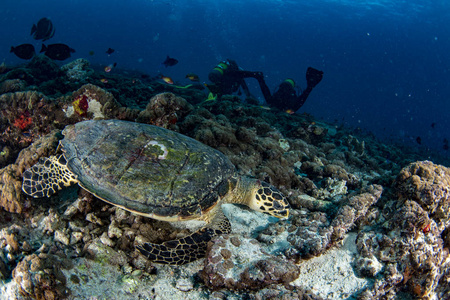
(166, 79)
(192, 77)
(290, 111)
(110, 67)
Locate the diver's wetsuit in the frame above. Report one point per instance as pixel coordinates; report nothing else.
(227, 77)
(286, 97)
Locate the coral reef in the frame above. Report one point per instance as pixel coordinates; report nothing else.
(339, 182)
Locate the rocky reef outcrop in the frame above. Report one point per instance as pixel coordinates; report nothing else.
(412, 243)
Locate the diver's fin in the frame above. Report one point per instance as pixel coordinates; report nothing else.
(313, 77)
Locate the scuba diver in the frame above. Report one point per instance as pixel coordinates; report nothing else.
(227, 77)
(285, 97)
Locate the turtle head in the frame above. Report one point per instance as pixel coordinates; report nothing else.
(268, 199)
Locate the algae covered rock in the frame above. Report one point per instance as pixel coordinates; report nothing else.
(356, 208)
(43, 68)
(164, 110)
(12, 85)
(238, 263)
(78, 70)
(11, 198)
(429, 185)
(411, 246)
(309, 235)
(313, 232)
(40, 277)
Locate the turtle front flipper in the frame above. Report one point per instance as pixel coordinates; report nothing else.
(187, 249)
(47, 177)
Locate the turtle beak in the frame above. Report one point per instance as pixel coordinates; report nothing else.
(281, 209)
(283, 214)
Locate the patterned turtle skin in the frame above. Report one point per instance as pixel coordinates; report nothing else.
(156, 173)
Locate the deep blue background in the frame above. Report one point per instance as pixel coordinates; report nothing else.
(386, 63)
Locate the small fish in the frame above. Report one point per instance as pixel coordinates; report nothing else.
(193, 77)
(24, 51)
(166, 79)
(433, 125)
(57, 51)
(419, 140)
(170, 62)
(104, 80)
(265, 107)
(290, 111)
(91, 53)
(44, 30)
(110, 51)
(110, 67)
(211, 97)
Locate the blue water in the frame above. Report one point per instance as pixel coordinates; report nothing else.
(386, 63)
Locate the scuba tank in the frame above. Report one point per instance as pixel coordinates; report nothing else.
(216, 73)
(286, 90)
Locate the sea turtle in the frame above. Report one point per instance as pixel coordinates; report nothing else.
(157, 173)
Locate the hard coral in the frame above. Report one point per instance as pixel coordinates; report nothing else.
(11, 198)
(92, 102)
(165, 110)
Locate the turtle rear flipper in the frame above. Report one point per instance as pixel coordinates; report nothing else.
(189, 248)
(47, 177)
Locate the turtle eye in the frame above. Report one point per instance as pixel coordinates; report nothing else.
(277, 205)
